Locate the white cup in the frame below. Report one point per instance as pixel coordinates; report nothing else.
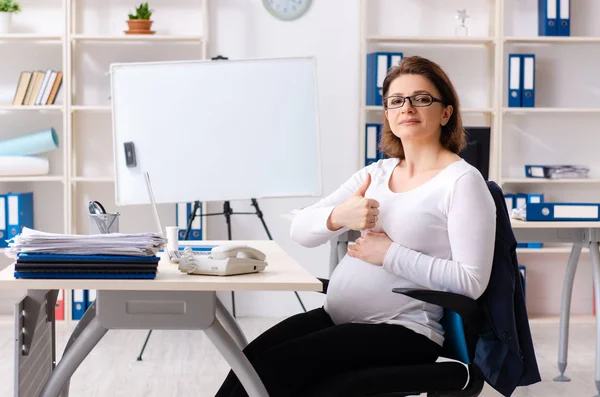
(173, 238)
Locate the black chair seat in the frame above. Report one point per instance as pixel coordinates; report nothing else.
(386, 381)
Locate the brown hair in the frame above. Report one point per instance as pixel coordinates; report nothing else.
(453, 136)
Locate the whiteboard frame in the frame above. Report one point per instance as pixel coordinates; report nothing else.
(118, 151)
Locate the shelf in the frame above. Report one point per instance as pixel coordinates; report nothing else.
(549, 249)
(550, 181)
(92, 108)
(137, 37)
(520, 110)
(42, 108)
(31, 36)
(465, 110)
(553, 39)
(93, 179)
(41, 178)
(431, 40)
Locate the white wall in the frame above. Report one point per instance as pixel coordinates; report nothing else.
(330, 32)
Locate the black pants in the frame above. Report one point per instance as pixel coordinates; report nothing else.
(307, 348)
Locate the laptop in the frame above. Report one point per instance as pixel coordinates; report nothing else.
(174, 255)
(226, 260)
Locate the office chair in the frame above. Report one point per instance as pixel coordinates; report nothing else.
(462, 321)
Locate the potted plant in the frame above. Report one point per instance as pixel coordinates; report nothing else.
(140, 23)
(7, 8)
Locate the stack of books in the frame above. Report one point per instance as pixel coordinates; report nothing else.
(38, 88)
(42, 255)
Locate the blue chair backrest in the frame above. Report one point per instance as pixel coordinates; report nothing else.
(454, 333)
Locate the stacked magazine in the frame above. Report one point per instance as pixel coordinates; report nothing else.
(115, 255)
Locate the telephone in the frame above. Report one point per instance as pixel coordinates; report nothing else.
(223, 260)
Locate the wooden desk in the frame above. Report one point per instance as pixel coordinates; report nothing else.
(173, 300)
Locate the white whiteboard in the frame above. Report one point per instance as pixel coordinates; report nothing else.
(216, 130)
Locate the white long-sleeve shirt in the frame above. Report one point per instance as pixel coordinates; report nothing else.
(443, 234)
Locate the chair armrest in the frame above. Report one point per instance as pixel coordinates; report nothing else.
(325, 284)
(469, 311)
(464, 306)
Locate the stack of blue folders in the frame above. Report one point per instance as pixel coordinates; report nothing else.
(43, 255)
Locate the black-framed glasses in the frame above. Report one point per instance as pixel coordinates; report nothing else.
(417, 101)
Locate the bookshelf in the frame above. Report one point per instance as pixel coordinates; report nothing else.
(81, 39)
(561, 128)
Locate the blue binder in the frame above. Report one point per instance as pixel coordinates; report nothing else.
(563, 212)
(3, 234)
(183, 212)
(395, 58)
(520, 200)
(536, 171)
(528, 80)
(547, 17)
(514, 80)
(378, 64)
(372, 139)
(19, 213)
(564, 18)
(530, 245)
(91, 297)
(78, 302)
(534, 198)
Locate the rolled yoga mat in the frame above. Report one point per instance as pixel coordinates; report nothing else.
(23, 165)
(30, 144)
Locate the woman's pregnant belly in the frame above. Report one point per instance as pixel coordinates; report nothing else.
(361, 292)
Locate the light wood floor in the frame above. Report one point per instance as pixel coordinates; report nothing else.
(185, 364)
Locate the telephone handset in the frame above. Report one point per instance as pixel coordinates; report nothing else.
(236, 251)
(223, 260)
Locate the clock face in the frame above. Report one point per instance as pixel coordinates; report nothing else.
(287, 10)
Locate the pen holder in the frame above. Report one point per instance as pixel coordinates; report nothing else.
(104, 223)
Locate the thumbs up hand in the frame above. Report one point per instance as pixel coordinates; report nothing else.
(356, 213)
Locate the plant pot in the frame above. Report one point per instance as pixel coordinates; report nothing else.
(5, 18)
(139, 26)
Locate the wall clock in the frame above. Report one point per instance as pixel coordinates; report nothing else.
(287, 10)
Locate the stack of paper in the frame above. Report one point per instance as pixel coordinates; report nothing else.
(136, 244)
(116, 255)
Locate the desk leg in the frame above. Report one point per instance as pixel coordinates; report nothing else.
(236, 359)
(565, 312)
(230, 324)
(73, 357)
(88, 316)
(595, 255)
